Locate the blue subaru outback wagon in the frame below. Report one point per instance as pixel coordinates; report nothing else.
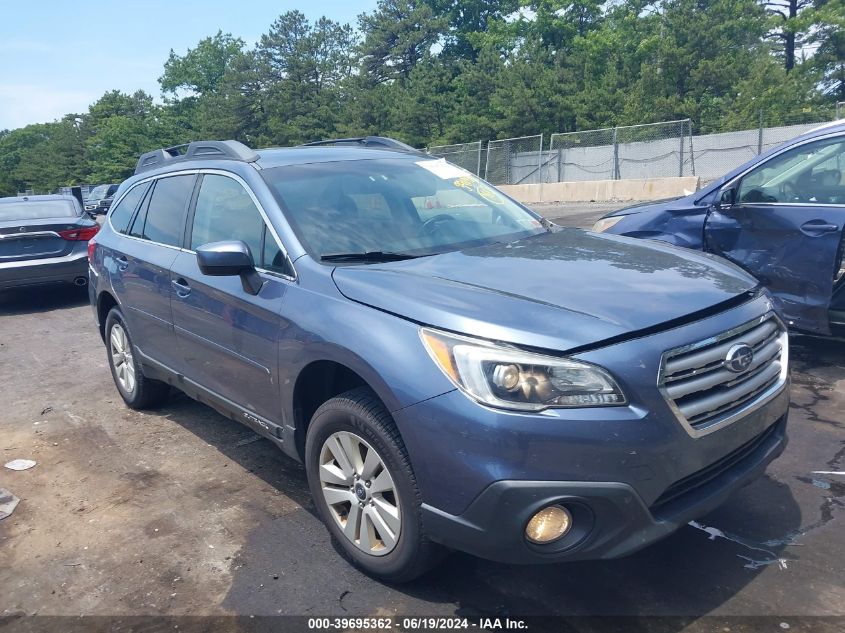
(453, 371)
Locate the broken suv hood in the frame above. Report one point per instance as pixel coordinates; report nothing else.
(557, 290)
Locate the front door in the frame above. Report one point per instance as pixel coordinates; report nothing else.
(227, 337)
(784, 225)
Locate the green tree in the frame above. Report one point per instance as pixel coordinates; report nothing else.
(200, 70)
(304, 67)
(785, 27)
(398, 34)
(121, 127)
(467, 19)
(828, 36)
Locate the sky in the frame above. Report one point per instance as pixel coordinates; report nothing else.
(57, 57)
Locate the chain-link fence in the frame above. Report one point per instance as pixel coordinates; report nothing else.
(634, 151)
(655, 149)
(717, 154)
(515, 161)
(466, 155)
(588, 155)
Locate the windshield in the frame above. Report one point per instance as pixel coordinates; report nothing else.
(34, 210)
(394, 205)
(98, 193)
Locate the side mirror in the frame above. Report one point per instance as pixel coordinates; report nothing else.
(228, 259)
(726, 199)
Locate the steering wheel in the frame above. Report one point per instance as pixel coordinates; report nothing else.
(432, 224)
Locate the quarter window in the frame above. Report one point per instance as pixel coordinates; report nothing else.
(273, 258)
(121, 214)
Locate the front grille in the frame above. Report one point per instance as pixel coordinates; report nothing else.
(704, 476)
(704, 393)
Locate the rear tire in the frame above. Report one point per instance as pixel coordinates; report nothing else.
(356, 460)
(137, 391)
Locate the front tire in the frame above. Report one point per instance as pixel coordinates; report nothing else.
(137, 391)
(362, 482)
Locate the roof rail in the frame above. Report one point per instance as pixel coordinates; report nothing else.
(377, 142)
(198, 150)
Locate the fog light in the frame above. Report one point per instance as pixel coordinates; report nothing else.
(548, 525)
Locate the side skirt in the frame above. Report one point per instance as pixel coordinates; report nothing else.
(261, 425)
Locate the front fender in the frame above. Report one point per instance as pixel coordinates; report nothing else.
(679, 227)
(383, 349)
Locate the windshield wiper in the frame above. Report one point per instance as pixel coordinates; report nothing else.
(370, 256)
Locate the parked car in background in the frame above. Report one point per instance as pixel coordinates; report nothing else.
(780, 216)
(100, 198)
(43, 240)
(453, 371)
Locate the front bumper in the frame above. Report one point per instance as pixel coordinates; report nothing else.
(67, 269)
(100, 208)
(633, 470)
(609, 518)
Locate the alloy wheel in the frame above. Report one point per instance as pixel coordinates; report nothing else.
(121, 358)
(360, 493)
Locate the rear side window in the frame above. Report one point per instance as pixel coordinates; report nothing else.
(225, 211)
(36, 209)
(122, 213)
(164, 216)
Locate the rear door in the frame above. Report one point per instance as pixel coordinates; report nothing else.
(141, 272)
(785, 227)
(228, 338)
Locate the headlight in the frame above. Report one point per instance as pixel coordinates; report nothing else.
(605, 223)
(509, 378)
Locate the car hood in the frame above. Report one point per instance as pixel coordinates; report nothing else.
(557, 290)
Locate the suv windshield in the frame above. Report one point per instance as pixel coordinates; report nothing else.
(394, 206)
(98, 192)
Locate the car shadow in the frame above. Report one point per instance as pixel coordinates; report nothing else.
(35, 299)
(253, 453)
(691, 573)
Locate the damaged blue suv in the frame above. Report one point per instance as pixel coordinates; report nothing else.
(780, 216)
(453, 371)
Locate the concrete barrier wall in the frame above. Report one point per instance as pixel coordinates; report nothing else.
(603, 190)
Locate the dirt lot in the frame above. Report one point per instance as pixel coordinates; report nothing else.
(181, 511)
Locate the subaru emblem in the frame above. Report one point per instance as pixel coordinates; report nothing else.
(739, 358)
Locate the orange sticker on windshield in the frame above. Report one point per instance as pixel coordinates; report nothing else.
(464, 182)
(489, 194)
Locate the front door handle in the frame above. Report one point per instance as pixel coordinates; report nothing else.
(814, 228)
(181, 286)
(122, 263)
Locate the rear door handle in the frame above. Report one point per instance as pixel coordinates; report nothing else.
(181, 286)
(122, 262)
(814, 228)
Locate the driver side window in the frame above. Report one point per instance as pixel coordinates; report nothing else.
(811, 173)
